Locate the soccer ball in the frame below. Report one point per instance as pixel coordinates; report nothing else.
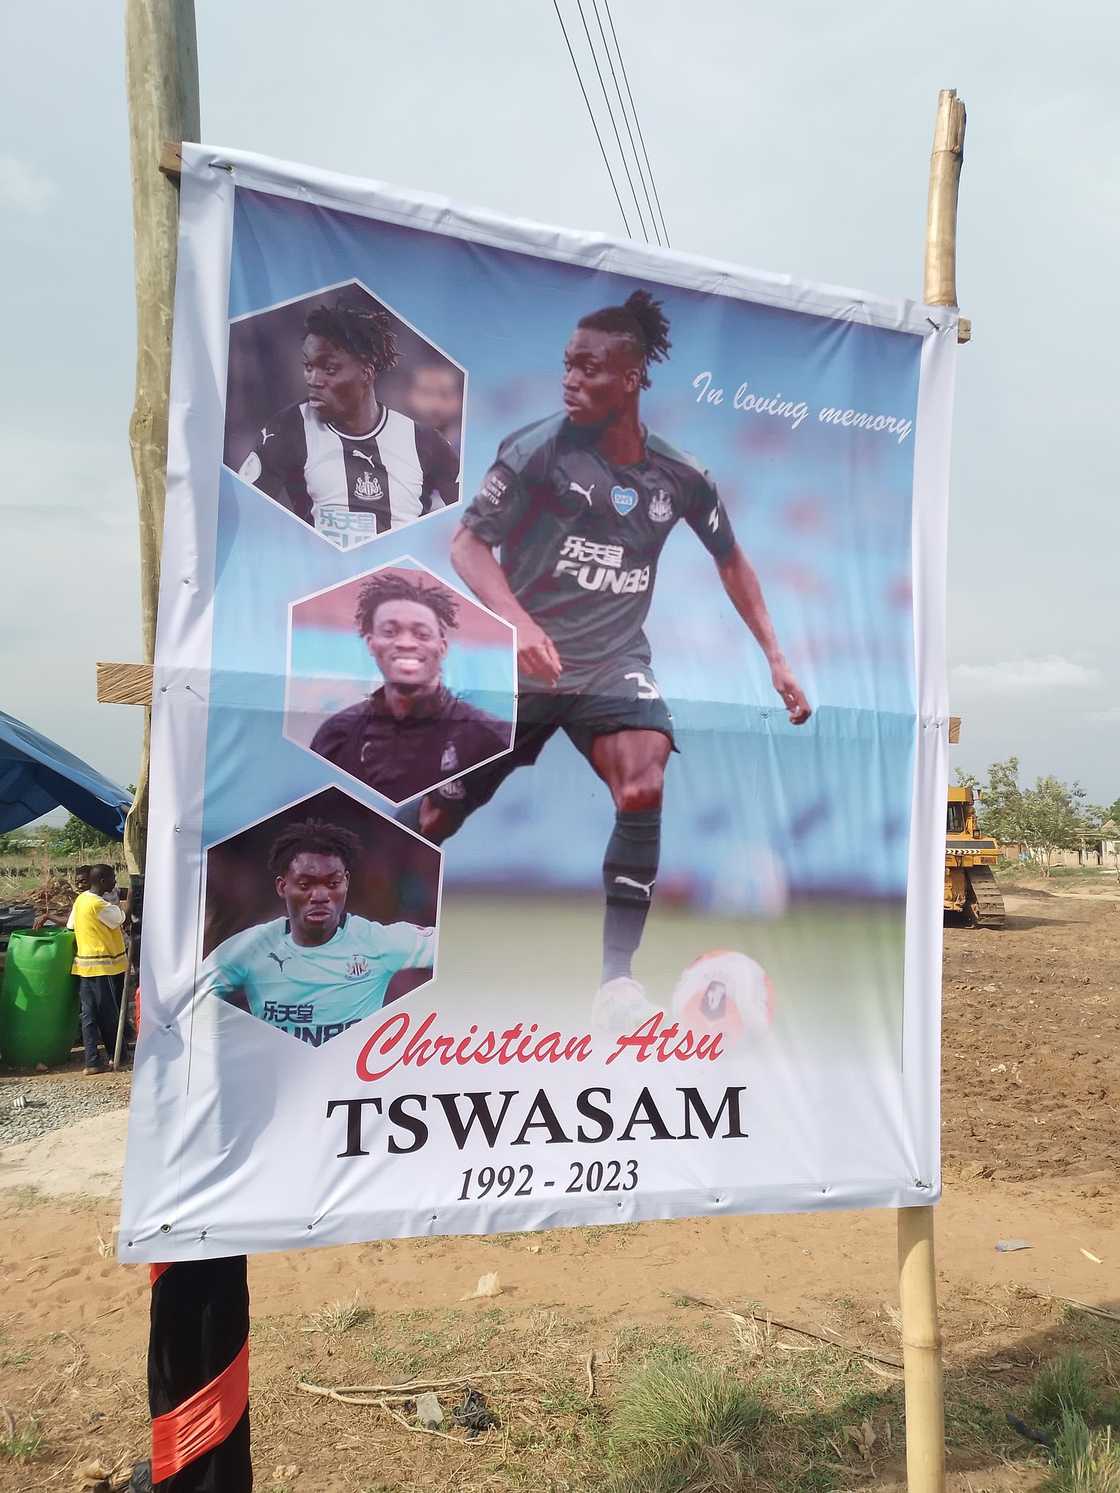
(726, 992)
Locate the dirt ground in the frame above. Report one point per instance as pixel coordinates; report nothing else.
(1031, 1115)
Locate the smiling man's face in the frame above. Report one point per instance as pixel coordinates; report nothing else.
(408, 645)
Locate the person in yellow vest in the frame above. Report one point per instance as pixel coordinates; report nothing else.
(99, 963)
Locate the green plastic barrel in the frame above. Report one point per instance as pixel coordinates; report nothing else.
(38, 999)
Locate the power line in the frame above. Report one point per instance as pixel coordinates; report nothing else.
(637, 121)
(594, 122)
(626, 122)
(610, 114)
(646, 178)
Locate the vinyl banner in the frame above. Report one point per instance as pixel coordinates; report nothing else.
(549, 732)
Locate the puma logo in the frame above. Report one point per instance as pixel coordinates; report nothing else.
(364, 455)
(279, 961)
(642, 886)
(584, 492)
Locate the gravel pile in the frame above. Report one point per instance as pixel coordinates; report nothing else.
(55, 1099)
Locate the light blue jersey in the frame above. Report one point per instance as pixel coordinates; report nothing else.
(315, 992)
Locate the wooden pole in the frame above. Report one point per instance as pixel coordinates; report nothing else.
(161, 60)
(917, 1266)
(200, 1311)
(128, 991)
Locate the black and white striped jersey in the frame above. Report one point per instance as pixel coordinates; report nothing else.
(351, 488)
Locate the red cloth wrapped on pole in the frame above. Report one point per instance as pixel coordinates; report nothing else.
(198, 1377)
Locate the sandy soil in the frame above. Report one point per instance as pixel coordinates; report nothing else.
(1031, 1133)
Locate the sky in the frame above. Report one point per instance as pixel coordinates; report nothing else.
(789, 138)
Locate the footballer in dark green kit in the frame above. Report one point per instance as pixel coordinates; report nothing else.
(563, 541)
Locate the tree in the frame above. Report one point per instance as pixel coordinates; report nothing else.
(1111, 818)
(1056, 818)
(1001, 805)
(1050, 816)
(78, 838)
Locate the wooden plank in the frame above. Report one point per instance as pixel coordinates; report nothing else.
(954, 729)
(124, 684)
(171, 158)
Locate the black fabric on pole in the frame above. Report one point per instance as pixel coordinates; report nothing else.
(200, 1323)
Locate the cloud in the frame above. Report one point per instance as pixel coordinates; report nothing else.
(1109, 716)
(23, 187)
(1027, 676)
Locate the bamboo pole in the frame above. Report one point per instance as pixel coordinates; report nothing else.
(917, 1265)
(921, 1352)
(161, 61)
(939, 279)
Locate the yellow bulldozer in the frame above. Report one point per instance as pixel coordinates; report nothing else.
(970, 884)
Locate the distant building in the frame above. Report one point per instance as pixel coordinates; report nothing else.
(1097, 847)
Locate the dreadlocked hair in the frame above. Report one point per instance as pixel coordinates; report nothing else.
(367, 334)
(313, 837)
(393, 586)
(641, 319)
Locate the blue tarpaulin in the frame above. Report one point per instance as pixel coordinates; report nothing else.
(37, 775)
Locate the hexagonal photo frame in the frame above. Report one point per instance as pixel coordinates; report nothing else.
(318, 915)
(400, 680)
(343, 414)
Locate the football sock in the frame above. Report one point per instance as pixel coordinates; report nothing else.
(629, 873)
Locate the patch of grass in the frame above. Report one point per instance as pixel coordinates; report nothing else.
(21, 1443)
(1085, 1461)
(1063, 1388)
(20, 1199)
(639, 1340)
(338, 1317)
(564, 1399)
(970, 1423)
(679, 1424)
(606, 1235)
(817, 1417)
(392, 1361)
(1065, 1402)
(12, 1357)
